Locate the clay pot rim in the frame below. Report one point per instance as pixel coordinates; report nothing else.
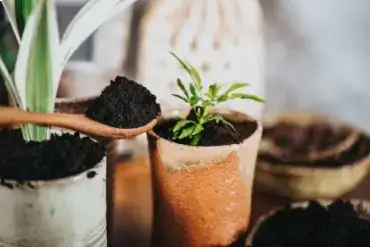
(223, 111)
(306, 171)
(302, 204)
(34, 184)
(309, 118)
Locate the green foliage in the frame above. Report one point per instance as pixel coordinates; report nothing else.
(202, 102)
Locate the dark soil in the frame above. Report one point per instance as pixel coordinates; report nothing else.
(299, 140)
(213, 134)
(59, 157)
(316, 226)
(358, 151)
(124, 104)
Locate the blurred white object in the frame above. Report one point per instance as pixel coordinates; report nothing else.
(111, 41)
(223, 39)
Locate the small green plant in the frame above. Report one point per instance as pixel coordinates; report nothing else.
(202, 102)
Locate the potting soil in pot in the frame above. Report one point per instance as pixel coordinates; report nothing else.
(339, 225)
(124, 104)
(296, 140)
(213, 135)
(359, 150)
(202, 204)
(59, 157)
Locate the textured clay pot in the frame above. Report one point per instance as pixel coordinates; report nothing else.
(59, 213)
(305, 182)
(202, 195)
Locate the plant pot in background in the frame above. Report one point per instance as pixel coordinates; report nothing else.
(80, 84)
(202, 195)
(299, 177)
(224, 39)
(63, 212)
(361, 207)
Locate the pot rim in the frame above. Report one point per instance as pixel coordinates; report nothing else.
(74, 100)
(59, 181)
(181, 111)
(306, 171)
(303, 204)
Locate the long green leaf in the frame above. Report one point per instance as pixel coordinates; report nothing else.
(89, 18)
(38, 63)
(9, 7)
(23, 9)
(9, 84)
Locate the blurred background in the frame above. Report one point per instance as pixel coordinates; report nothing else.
(317, 53)
(299, 54)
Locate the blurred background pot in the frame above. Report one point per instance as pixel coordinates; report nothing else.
(306, 178)
(59, 213)
(202, 195)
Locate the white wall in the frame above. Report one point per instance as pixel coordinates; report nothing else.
(319, 57)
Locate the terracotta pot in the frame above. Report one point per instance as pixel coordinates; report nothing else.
(202, 195)
(59, 213)
(306, 182)
(361, 206)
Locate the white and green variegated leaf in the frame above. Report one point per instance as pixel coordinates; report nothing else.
(9, 7)
(38, 64)
(13, 93)
(89, 18)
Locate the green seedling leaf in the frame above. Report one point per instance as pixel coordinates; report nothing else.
(235, 86)
(199, 128)
(180, 97)
(228, 124)
(187, 132)
(246, 96)
(192, 90)
(181, 124)
(195, 140)
(182, 87)
(213, 90)
(193, 100)
(196, 77)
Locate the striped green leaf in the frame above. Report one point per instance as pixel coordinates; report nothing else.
(38, 63)
(87, 20)
(9, 7)
(23, 9)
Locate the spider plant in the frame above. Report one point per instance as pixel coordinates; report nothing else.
(43, 54)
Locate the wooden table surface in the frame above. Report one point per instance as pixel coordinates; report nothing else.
(130, 224)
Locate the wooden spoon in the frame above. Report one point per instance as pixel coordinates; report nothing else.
(79, 123)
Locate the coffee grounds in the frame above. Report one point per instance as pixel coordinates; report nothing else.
(59, 157)
(336, 226)
(359, 150)
(124, 104)
(213, 134)
(299, 140)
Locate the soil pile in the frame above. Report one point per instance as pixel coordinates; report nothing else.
(124, 104)
(339, 225)
(59, 157)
